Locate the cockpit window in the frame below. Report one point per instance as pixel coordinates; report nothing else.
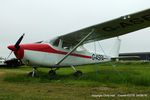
(53, 42)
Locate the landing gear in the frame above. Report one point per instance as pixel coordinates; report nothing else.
(33, 73)
(77, 72)
(53, 72)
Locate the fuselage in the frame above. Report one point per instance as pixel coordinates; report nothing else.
(47, 55)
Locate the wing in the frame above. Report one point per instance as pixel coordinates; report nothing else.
(109, 29)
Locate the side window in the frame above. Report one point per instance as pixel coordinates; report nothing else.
(56, 43)
(66, 48)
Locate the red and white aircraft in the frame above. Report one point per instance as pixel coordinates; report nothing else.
(62, 51)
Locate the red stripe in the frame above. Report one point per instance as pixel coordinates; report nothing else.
(49, 49)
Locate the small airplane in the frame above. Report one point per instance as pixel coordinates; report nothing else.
(62, 51)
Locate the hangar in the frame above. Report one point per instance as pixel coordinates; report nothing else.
(144, 56)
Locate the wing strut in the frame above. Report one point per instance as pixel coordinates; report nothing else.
(76, 46)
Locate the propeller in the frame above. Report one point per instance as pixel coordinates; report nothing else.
(15, 47)
(19, 41)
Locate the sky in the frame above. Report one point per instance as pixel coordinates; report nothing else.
(44, 19)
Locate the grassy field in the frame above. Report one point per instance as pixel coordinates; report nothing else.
(132, 82)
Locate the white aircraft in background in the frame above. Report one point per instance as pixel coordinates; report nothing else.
(62, 51)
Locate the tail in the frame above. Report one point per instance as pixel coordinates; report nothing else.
(116, 48)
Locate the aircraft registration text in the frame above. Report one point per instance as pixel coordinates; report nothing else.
(97, 57)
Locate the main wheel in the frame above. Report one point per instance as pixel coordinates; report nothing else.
(52, 72)
(78, 73)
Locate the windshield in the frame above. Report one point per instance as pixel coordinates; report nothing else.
(53, 41)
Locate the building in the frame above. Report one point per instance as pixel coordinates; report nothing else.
(145, 56)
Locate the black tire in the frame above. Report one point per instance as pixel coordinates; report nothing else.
(78, 73)
(52, 72)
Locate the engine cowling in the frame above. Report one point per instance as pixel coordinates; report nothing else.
(19, 53)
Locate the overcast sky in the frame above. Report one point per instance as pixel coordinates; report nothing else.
(44, 19)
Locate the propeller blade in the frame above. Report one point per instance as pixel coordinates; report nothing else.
(9, 55)
(19, 41)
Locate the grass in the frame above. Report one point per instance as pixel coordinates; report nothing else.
(132, 75)
(15, 85)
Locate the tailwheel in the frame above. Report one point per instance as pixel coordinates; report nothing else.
(78, 73)
(52, 72)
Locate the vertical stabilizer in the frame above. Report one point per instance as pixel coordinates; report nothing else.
(116, 48)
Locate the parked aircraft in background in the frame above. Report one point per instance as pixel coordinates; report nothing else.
(2, 62)
(63, 51)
